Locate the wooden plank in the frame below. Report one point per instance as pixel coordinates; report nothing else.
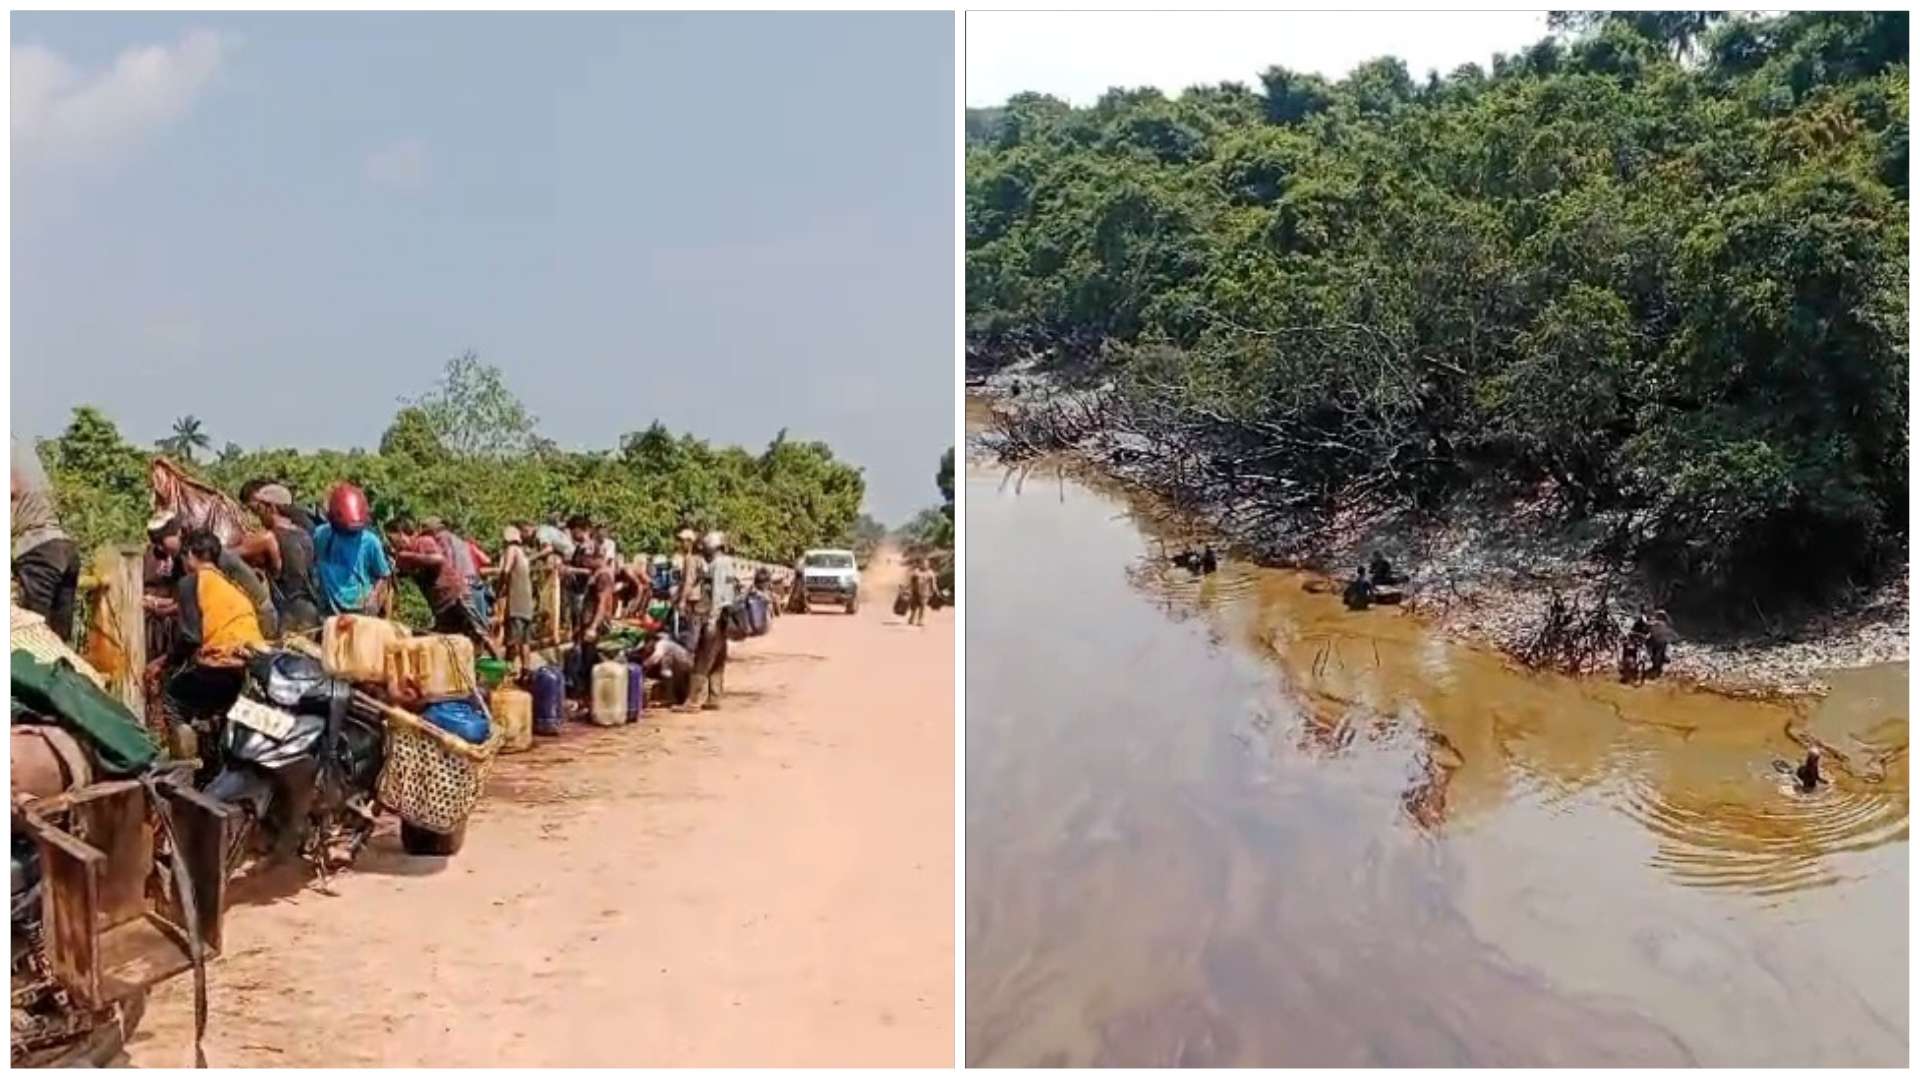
(129, 589)
(138, 954)
(549, 624)
(57, 806)
(117, 623)
(116, 824)
(69, 899)
(199, 832)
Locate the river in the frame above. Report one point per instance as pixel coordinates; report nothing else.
(1224, 821)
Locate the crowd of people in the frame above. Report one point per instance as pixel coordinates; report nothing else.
(207, 603)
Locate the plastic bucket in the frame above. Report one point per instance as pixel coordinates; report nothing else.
(491, 672)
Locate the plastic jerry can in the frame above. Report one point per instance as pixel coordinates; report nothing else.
(636, 693)
(609, 693)
(549, 700)
(435, 667)
(354, 647)
(512, 710)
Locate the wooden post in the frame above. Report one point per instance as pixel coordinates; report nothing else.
(117, 631)
(549, 629)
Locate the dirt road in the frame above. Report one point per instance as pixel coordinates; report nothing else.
(771, 884)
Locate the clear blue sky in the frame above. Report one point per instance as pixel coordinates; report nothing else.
(281, 223)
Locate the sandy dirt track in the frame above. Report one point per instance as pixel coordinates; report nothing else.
(771, 884)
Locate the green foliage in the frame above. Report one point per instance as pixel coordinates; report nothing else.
(1292, 97)
(99, 479)
(441, 455)
(187, 437)
(1656, 261)
(472, 413)
(930, 528)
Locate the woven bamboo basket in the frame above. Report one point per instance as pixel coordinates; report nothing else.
(433, 779)
(30, 632)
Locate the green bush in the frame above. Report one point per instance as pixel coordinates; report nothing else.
(469, 453)
(1657, 261)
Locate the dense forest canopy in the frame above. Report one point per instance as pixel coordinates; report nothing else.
(1655, 262)
(469, 452)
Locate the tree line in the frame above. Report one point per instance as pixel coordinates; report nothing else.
(469, 452)
(1654, 264)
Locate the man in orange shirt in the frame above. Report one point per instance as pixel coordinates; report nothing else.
(217, 628)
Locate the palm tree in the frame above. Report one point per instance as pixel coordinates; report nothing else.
(186, 438)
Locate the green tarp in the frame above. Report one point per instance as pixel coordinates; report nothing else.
(60, 693)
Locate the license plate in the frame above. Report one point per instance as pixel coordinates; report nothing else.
(264, 719)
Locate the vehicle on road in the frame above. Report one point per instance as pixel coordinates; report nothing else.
(300, 762)
(829, 575)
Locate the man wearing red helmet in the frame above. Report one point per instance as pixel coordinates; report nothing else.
(347, 557)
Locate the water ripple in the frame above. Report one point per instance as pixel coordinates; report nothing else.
(1775, 844)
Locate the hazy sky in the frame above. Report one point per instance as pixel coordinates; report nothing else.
(281, 223)
(1078, 56)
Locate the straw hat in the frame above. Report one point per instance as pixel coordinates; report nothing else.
(511, 535)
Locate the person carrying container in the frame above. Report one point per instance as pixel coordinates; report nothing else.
(417, 554)
(921, 587)
(669, 662)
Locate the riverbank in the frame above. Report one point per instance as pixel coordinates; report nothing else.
(1482, 572)
(1508, 869)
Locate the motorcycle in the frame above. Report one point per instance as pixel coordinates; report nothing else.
(299, 761)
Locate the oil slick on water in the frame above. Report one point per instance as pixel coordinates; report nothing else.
(1222, 820)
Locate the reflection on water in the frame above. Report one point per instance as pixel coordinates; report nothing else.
(1223, 820)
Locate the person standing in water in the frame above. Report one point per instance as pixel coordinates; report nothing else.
(1632, 646)
(1660, 638)
(1359, 592)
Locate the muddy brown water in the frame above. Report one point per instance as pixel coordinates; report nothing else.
(1223, 821)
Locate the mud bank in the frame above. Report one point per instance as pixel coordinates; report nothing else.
(1220, 820)
(1482, 575)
